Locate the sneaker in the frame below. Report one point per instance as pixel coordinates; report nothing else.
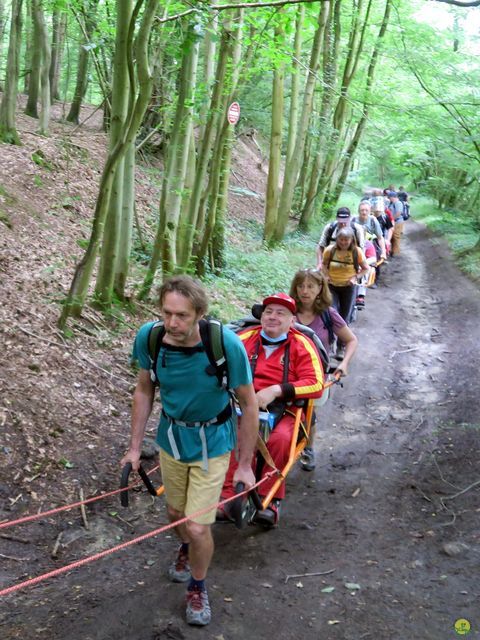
(179, 570)
(198, 607)
(360, 301)
(270, 516)
(307, 460)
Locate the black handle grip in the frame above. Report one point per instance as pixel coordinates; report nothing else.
(146, 481)
(237, 507)
(126, 471)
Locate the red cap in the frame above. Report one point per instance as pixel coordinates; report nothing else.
(283, 299)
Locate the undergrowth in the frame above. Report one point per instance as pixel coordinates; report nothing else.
(254, 271)
(458, 230)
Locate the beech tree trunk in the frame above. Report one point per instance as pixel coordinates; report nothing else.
(31, 108)
(292, 169)
(8, 129)
(59, 28)
(79, 287)
(120, 97)
(274, 165)
(81, 85)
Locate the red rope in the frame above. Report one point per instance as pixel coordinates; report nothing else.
(124, 545)
(44, 514)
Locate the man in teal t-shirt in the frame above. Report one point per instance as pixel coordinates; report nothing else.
(196, 432)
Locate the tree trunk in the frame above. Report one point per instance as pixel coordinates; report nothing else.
(330, 57)
(2, 33)
(81, 85)
(28, 53)
(31, 108)
(220, 171)
(194, 222)
(355, 141)
(292, 169)
(8, 129)
(45, 59)
(79, 287)
(295, 86)
(126, 224)
(59, 29)
(274, 165)
(173, 185)
(120, 101)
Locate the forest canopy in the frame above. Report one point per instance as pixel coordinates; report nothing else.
(333, 92)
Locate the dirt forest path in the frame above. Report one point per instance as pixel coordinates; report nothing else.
(390, 514)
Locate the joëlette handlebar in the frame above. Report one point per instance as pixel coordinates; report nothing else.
(126, 471)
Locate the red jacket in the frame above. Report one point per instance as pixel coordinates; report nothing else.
(305, 373)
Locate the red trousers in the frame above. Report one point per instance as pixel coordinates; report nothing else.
(278, 445)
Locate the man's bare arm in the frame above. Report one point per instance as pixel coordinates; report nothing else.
(141, 410)
(247, 435)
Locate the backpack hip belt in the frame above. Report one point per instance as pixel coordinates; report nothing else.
(221, 418)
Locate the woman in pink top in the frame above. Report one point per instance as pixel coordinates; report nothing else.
(311, 292)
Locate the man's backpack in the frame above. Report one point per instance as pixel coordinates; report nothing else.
(331, 228)
(211, 334)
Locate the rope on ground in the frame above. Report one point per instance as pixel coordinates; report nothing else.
(44, 514)
(79, 563)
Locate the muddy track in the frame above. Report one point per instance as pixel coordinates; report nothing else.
(395, 444)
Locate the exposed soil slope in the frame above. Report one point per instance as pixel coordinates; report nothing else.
(388, 512)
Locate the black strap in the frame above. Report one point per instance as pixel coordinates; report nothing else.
(327, 321)
(286, 360)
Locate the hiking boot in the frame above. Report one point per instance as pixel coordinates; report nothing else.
(307, 460)
(270, 516)
(198, 607)
(179, 570)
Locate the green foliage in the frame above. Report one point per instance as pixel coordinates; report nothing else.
(254, 272)
(459, 231)
(39, 159)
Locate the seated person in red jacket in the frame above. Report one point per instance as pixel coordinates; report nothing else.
(285, 367)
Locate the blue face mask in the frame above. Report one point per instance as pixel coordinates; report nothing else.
(281, 338)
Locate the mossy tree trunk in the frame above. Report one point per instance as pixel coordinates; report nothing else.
(88, 13)
(45, 58)
(274, 165)
(355, 141)
(31, 108)
(59, 29)
(120, 102)
(173, 184)
(79, 287)
(215, 197)
(293, 168)
(8, 129)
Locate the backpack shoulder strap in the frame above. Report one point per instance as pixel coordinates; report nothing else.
(155, 337)
(327, 321)
(332, 253)
(355, 258)
(211, 333)
(331, 228)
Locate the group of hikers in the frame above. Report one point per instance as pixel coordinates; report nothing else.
(198, 364)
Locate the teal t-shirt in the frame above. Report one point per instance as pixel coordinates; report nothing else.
(189, 394)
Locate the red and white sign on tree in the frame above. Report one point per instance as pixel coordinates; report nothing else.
(233, 113)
